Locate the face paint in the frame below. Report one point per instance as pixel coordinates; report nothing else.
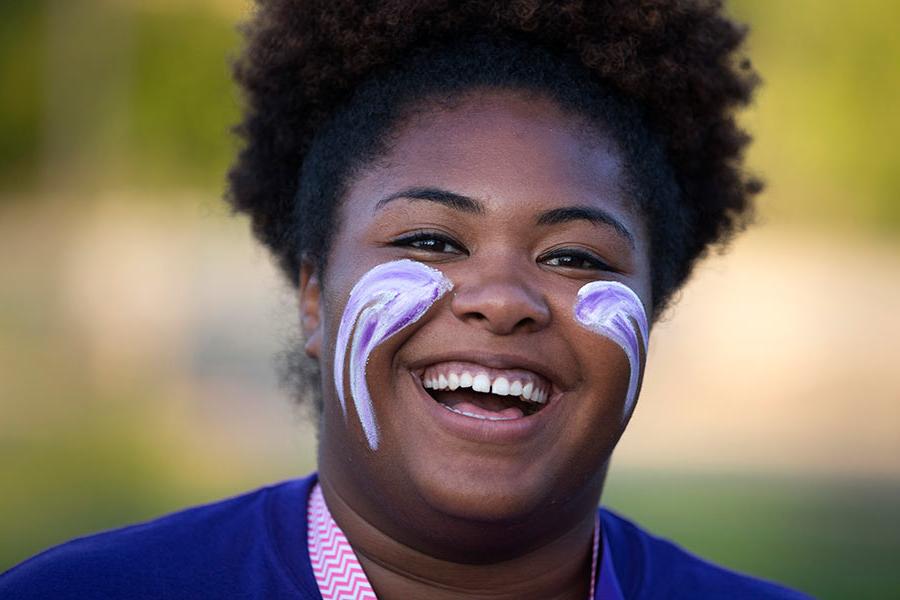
(614, 311)
(385, 300)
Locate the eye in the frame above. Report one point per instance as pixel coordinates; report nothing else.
(574, 258)
(429, 241)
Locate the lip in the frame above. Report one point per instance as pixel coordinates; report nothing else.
(493, 361)
(512, 431)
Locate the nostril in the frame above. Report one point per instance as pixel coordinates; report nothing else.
(502, 308)
(502, 322)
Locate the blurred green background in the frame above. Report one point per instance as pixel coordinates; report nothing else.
(140, 326)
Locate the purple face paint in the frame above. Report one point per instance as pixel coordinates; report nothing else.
(385, 300)
(614, 311)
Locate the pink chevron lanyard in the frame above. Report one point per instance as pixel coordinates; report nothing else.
(338, 572)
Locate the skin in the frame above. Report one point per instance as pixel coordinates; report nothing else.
(611, 309)
(435, 513)
(389, 297)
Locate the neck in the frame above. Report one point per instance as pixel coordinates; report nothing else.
(558, 568)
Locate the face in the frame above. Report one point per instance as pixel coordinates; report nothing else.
(509, 199)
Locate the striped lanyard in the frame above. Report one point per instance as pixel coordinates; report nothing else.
(338, 572)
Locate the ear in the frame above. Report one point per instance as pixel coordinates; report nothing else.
(310, 295)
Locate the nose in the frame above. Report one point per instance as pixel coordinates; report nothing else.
(500, 300)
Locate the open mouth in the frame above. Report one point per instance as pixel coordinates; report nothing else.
(480, 392)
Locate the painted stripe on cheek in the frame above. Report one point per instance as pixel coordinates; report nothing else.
(613, 310)
(387, 299)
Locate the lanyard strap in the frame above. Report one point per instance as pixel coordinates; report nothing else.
(336, 567)
(338, 572)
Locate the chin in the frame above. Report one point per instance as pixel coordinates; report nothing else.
(482, 492)
(489, 512)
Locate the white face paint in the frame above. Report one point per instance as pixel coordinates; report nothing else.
(394, 295)
(387, 299)
(614, 311)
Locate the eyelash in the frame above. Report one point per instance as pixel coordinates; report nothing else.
(418, 241)
(581, 256)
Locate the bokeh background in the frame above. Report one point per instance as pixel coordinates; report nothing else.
(140, 325)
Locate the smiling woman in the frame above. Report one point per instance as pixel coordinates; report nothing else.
(520, 176)
(483, 206)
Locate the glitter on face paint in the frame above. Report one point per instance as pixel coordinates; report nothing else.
(385, 300)
(614, 311)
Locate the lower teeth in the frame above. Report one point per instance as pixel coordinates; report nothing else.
(474, 416)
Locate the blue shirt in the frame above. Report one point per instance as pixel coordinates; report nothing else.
(254, 546)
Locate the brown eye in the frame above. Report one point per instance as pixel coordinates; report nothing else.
(429, 242)
(574, 259)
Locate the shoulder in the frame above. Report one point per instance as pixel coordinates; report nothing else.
(205, 551)
(652, 567)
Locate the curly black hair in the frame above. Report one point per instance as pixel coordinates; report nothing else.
(325, 81)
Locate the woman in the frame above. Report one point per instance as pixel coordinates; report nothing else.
(483, 206)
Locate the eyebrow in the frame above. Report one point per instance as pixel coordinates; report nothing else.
(430, 194)
(591, 214)
(556, 216)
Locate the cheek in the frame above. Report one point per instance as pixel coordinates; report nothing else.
(389, 298)
(613, 311)
(596, 412)
(605, 374)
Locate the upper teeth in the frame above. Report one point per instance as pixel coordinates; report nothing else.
(481, 382)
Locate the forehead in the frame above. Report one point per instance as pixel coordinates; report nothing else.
(501, 146)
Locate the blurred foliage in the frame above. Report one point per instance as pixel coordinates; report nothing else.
(829, 538)
(826, 122)
(183, 98)
(111, 476)
(114, 94)
(111, 94)
(21, 53)
(139, 94)
(102, 467)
